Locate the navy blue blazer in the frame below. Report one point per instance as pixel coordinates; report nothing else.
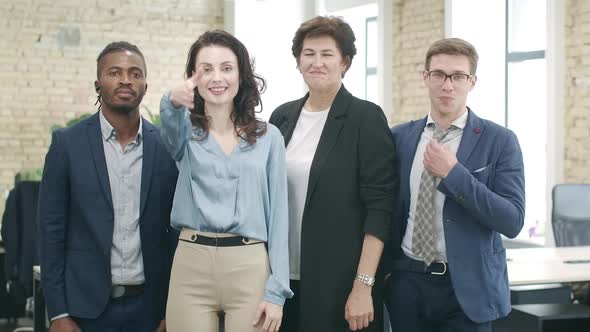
(76, 221)
(484, 197)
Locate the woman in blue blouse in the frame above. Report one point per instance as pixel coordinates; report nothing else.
(231, 195)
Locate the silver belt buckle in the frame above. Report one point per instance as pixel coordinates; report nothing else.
(117, 291)
(441, 273)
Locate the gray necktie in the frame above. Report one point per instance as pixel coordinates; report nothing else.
(424, 236)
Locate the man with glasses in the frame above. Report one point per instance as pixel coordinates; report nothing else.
(462, 185)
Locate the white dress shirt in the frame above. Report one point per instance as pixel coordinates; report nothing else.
(452, 141)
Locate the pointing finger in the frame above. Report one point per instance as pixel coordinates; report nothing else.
(196, 76)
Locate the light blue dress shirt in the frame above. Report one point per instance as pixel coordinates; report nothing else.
(124, 168)
(243, 193)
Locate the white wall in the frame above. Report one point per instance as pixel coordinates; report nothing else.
(336, 5)
(356, 18)
(267, 29)
(482, 24)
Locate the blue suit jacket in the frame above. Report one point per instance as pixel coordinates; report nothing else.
(484, 197)
(76, 221)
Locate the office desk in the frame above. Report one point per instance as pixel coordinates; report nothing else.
(545, 318)
(547, 265)
(530, 266)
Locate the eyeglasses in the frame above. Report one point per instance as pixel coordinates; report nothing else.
(438, 77)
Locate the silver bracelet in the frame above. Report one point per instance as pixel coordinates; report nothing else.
(365, 279)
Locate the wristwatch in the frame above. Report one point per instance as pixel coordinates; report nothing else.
(365, 279)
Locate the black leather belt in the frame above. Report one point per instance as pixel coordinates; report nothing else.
(412, 265)
(126, 290)
(232, 241)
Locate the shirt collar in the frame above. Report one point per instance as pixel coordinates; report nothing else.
(459, 122)
(108, 132)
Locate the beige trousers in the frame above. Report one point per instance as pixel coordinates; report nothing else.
(207, 280)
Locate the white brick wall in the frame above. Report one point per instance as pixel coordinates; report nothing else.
(577, 92)
(46, 77)
(416, 25)
(48, 51)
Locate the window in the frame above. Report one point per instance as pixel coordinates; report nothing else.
(361, 79)
(526, 103)
(512, 84)
(371, 48)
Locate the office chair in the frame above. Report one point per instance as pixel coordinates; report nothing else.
(570, 217)
(570, 220)
(19, 233)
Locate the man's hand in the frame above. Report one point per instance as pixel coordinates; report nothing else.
(184, 93)
(358, 311)
(268, 317)
(439, 159)
(162, 326)
(64, 324)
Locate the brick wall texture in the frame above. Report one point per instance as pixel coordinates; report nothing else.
(48, 53)
(577, 92)
(416, 25)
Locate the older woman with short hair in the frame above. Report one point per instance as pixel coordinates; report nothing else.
(342, 183)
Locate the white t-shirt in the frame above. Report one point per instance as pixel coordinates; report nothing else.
(300, 153)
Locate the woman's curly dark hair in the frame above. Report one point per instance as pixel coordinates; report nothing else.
(243, 115)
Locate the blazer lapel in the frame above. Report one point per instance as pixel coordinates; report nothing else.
(149, 142)
(407, 155)
(471, 134)
(288, 126)
(329, 137)
(97, 150)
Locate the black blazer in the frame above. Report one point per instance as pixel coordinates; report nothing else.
(19, 234)
(352, 187)
(76, 221)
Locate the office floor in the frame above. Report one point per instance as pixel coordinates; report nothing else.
(9, 326)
